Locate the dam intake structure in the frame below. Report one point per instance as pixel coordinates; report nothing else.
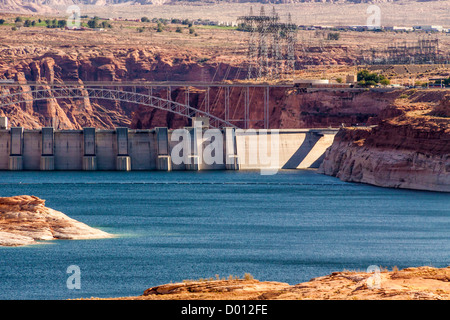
(190, 148)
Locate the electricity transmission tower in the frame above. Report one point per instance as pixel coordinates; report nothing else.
(271, 45)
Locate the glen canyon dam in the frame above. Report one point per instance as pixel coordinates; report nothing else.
(224, 150)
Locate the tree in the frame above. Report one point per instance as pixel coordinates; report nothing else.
(106, 24)
(18, 19)
(160, 27)
(145, 19)
(366, 79)
(191, 30)
(179, 30)
(27, 23)
(368, 76)
(93, 23)
(62, 23)
(51, 23)
(339, 80)
(2, 21)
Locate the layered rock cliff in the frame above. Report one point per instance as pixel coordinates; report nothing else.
(289, 107)
(117, 65)
(421, 283)
(25, 220)
(411, 151)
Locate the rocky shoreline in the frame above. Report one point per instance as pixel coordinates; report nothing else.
(410, 150)
(420, 283)
(24, 220)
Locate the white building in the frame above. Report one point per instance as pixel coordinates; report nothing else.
(396, 28)
(429, 28)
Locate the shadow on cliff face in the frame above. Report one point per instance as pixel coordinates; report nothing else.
(407, 151)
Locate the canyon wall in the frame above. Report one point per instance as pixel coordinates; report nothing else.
(403, 152)
(58, 66)
(288, 107)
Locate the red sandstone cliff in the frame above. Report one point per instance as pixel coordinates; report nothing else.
(115, 65)
(289, 108)
(411, 151)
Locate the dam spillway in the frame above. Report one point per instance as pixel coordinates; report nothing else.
(126, 149)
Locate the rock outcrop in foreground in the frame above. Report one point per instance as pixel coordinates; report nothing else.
(409, 151)
(25, 219)
(421, 283)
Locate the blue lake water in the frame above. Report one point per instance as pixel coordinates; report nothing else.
(288, 227)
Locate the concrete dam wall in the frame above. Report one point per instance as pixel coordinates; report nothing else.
(191, 148)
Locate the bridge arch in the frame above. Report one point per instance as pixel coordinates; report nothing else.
(115, 95)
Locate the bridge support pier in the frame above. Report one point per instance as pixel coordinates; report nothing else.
(231, 157)
(89, 158)
(123, 160)
(163, 160)
(15, 162)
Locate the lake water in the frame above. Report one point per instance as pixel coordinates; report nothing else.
(172, 226)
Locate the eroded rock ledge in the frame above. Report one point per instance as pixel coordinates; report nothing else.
(411, 152)
(419, 283)
(26, 219)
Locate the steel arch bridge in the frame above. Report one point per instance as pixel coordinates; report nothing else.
(126, 91)
(148, 100)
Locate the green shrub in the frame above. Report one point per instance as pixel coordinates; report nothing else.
(385, 82)
(366, 78)
(333, 36)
